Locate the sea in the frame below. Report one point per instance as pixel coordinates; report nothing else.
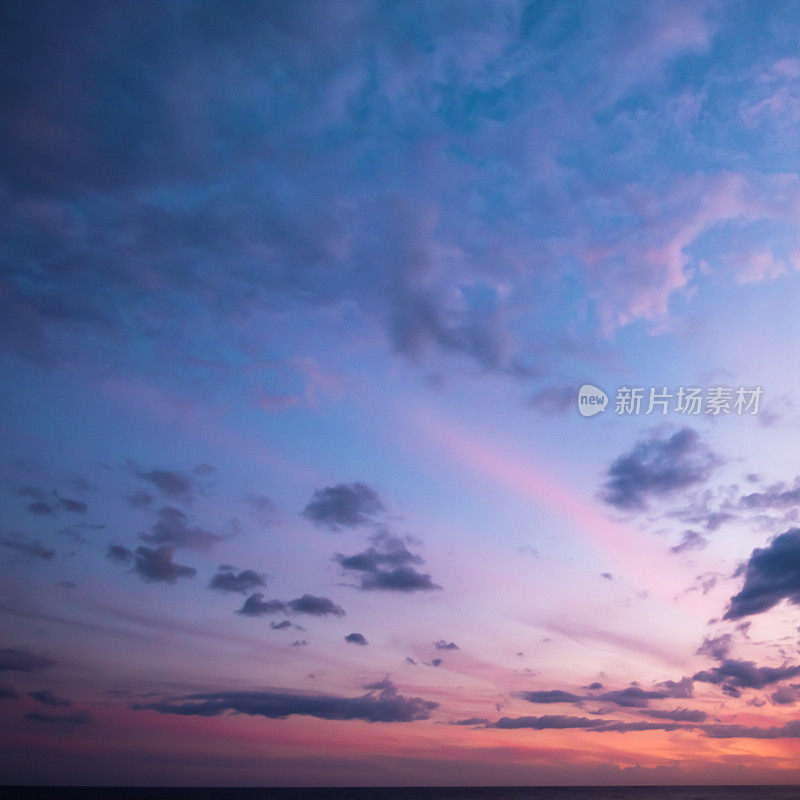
(416, 793)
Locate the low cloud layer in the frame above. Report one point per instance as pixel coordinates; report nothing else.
(382, 703)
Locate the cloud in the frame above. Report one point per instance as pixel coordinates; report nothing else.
(7, 693)
(279, 626)
(156, 565)
(47, 698)
(139, 499)
(791, 730)
(548, 696)
(378, 705)
(75, 506)
(356, 638)
(172, 529)
(14, 659)
(656, 467)
(119, 553)
(786, 695)
(256, 606)
(547, 722)
(678, 715)
(471, 721)
(170, 482)
(444, 645)
(229, 581)
(264, 510)
(386, 565)
(691, 541)
(735, 674)
(315, 606)
(772, 574)
(69, 720)
(717, 647)
(776, 497)
(30, 549)
(346, 505)
(555, 400)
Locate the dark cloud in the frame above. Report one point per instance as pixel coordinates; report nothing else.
(345, 505)
(657, 467)
(75, 506)
(691, 541)
(550, 696)
(772, 574)
(471, 721)
(445, 645)
(547, 722)
(631, 697)
(119, 553)
(678, 715)
(315, 606)
(775, 497)
(30, 549)
(256, 606)
(47, 698)
(378, 705)
(745, 674)
(41, 508)
(791, 730)
(679, 690)
(69, 720)
(786, 695)
(228, 581)
(170, 482)
(436, 662)
(139, 499)
(156, 565)
(14, 659)
(279, 626)
(717, 647)
(172, 528)
(356, 638)
(300, 643)
(386, 565)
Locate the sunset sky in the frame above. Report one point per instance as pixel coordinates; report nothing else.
(295, 304)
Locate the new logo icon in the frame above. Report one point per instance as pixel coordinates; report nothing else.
(591, 400)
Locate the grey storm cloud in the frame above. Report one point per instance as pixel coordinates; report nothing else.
(172, 528)
(156, 565)
(771, 574)
(356, 638)
(169, 482)
(13, 659)
(735, 675)
(26, 548)
(383, 704)
(658, 466)
(442, 644)
(346, 505)
(227, 580)
(47, 698)
(256, 606)
(386, 565)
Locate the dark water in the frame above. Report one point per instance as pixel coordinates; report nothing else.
(439, 793)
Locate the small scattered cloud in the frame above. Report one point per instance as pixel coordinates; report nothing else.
(346, 505)
(26, 548)
(256, 606)
(657, 467)
(156, 565)
(171, 483)
(173, 528)
(691, 541)
(445, 645)
(227, 580)
(47, 698)
(315, 606)
(356, 638)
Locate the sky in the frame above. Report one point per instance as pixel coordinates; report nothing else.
(296, 305)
